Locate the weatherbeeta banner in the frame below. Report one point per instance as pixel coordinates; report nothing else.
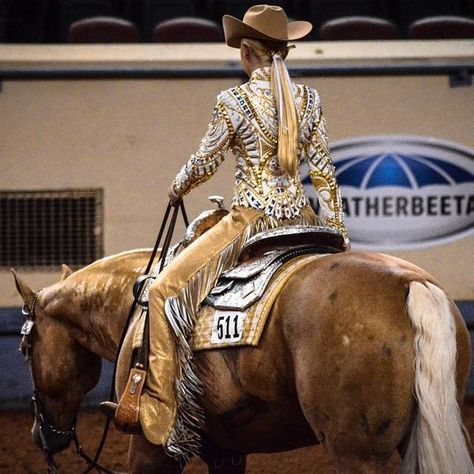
(403, 192)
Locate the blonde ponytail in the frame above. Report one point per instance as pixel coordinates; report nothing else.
(288, 125)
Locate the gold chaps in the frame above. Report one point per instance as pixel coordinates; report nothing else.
(185, 283)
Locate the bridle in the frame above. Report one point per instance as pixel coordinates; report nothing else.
(47, 432)
(41, 415)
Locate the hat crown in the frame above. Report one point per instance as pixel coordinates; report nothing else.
(265, 23)
(269, 19)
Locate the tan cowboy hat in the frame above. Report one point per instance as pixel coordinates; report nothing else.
(263, 22)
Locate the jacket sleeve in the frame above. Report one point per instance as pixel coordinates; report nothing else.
(210, 154)
(322, 174)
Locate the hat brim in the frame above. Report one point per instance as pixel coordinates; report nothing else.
(235, 30)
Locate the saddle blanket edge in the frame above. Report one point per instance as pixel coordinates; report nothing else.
(219, 328)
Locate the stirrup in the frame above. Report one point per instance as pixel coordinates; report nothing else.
(108, 408)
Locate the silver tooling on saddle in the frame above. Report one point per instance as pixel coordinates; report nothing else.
(238, 288)
(245, 284)
(242, 286)
(290, 230)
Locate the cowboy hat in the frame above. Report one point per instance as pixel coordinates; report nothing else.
(263, 22)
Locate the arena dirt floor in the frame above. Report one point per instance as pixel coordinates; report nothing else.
(19, 455)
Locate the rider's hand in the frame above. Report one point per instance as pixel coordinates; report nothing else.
(174, 199)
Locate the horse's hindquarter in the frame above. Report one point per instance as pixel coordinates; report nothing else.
(335, 360)
(338, 345)
(351, 341)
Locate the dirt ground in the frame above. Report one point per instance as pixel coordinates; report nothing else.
(19, 455)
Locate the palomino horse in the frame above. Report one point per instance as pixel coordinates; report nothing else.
(362, 353)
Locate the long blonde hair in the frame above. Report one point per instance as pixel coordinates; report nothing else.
(288, 125)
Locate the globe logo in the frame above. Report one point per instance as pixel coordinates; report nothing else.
(403, 192)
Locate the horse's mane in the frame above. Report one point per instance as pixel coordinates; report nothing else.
(101, 284)
(128, 260)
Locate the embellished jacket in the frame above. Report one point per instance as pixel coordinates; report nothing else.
(245, 121)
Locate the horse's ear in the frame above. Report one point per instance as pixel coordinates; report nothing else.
(25, 291)
(65, 271)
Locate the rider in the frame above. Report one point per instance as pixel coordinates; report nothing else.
(271, 125)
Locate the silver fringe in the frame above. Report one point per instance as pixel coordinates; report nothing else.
(184, 440)
(181, 311)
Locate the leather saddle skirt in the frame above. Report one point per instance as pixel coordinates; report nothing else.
(262, 256)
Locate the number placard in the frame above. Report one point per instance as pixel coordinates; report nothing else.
(228, 326)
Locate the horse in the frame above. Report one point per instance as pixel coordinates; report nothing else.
(363, 353)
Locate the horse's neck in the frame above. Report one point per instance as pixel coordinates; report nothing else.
(94, 303)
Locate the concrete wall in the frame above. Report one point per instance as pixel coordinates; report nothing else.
(131, 137)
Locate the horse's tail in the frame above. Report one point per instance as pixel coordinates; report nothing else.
(438, 440)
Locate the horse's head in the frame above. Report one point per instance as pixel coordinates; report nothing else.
(62, 369)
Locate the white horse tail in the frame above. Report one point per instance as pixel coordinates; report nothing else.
(438, 440)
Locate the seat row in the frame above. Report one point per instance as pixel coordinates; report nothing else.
(190, 29)
(48, 21)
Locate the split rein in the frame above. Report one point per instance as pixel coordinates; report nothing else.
(47, 429)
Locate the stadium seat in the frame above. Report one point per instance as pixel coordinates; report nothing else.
(358, 28)
(408, 11)
(442, 27)
(103, 29)
(322, 11)
(157, 11)
(71, 11)
(188, 30)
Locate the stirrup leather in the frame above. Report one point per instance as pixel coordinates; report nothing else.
(126, 415)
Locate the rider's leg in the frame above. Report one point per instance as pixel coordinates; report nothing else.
(187, 280)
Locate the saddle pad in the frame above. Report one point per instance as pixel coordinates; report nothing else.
(221, 328)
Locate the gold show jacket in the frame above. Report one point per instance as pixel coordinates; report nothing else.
(245, 121)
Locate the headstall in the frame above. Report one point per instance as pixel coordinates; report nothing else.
(40, 413)
(46, 429)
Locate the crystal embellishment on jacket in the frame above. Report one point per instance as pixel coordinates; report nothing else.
(245, 121)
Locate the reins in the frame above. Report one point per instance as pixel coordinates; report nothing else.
(26, 342)
(93, 462)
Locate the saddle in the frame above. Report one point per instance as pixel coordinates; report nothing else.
(237, 308)
(223, 318)
(262, 256)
